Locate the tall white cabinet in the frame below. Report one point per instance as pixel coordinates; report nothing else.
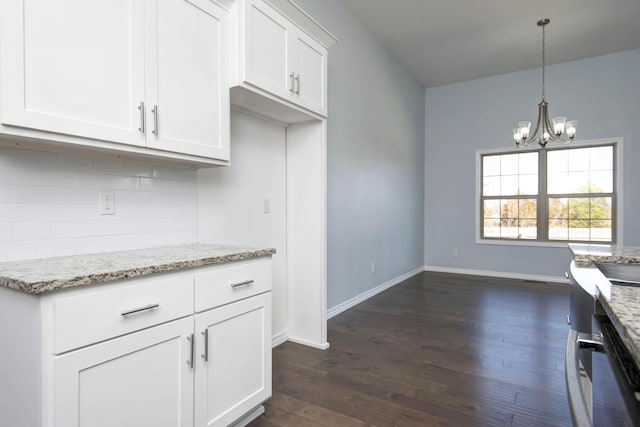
(278, 50)
(133, 76)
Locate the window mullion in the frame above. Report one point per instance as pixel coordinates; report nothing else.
(543, 210)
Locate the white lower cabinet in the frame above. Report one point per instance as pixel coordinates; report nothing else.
(181, 349)
(139, 380)
(233, 373)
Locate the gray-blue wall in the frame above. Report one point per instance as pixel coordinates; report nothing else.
(375, 159)
(603, 93)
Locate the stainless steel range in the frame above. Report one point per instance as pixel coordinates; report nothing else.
(603, 379)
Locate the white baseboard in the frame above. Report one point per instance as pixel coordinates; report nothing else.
(501, 274)
(309, 343)
(279, 338)
(335, 310)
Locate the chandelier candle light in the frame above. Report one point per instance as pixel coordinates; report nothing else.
(545, 132)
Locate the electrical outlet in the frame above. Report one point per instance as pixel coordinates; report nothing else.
(454, 252)
(373, 267)
(266, 205)
(107, 203)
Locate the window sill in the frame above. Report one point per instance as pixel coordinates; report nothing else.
(523, 243)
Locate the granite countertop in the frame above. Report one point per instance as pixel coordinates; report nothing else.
(616, 254)
(620, 302)
(48, 274)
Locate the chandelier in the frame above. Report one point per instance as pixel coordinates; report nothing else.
(546, 130)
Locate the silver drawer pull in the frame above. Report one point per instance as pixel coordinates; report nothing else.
(191, 340)
(139, 309)
(205, 356)
(243, 283)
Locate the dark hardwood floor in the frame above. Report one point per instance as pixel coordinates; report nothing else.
(436, 350)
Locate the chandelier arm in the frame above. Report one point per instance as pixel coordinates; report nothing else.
(541, 107)
(551, 129)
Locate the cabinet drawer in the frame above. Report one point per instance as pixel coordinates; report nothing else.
(217, 286)
(96, 314)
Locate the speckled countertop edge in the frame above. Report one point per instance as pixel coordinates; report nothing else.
(584, 254)
(37, 276)
(622, 306)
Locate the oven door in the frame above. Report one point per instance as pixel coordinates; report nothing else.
(579, 386)
(597, 399)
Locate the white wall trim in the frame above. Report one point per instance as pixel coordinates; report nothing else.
(335, 310)
(501, 274)
(309, 343)
(279, 338)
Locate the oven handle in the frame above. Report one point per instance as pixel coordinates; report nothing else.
(580, 412)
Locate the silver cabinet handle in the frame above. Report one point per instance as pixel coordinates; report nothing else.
(568, 320)
(190, 361)
(139, 309)
(593, 342)
(205, 356)
(243, 283)
(154, 110)
(298, 81)
(141, 109)
(292, 76)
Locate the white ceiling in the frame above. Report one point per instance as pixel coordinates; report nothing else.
(448, 41)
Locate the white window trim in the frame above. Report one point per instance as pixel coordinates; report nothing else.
(585, 143)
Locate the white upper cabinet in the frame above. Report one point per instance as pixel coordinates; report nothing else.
(281, 51)
(187, 81)
(74, 67)
(139, 73)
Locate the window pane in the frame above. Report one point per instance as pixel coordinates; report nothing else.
(527, 209)
(528, 163)
(509, 185)
(557, 161)
(558, 183)
(509, 229)
(491, 209)
(559, 229)
(509, 164)
(528, 229)
(528, 185)
(558, 208)
(601, 181)
(578, 231)
(579, 210)
(601, 232)
(579, 159)
(600, 209)
(579, 182)
(491, 228)
(491, 165)
(602, 158)
(491, 186)
(509, 209)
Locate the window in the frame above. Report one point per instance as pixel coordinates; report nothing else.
(564, 194)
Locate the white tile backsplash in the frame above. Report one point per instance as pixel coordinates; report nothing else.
(49, 204)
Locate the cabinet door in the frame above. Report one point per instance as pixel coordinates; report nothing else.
(266, 58)
(139, 380)
(234, 370)
(73, 67)
(310, 60)
(188, 83)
